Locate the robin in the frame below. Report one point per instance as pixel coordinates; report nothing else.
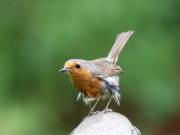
(96, 79)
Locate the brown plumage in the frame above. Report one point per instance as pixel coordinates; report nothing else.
(98, 78)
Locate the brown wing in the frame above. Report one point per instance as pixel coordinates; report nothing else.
(105, 67)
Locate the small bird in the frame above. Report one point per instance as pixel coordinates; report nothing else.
(99, 78)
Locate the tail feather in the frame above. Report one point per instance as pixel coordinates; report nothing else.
(121, 40)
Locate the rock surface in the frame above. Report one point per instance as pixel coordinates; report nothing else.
(106, 123)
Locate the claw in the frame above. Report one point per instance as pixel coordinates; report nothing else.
(92, 113)
(107, 110)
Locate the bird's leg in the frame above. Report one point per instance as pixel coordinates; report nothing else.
(94, 106)
(90, 105)
(107, 106)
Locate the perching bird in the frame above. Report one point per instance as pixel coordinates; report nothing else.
(98, 78)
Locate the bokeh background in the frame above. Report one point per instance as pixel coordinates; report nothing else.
(38, 36)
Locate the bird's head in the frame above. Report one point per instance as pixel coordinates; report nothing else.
(74, 66)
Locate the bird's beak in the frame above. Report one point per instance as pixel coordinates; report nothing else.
(63, 69)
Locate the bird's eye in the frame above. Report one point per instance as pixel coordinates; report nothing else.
(78, 66)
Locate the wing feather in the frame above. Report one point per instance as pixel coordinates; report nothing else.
(106, 68)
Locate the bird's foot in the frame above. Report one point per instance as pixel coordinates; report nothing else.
(107, 110)
(92, 113)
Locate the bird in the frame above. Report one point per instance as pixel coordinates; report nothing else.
(98, 79)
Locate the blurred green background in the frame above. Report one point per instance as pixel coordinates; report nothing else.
(38, 36)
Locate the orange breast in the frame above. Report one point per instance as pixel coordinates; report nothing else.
(86, 83)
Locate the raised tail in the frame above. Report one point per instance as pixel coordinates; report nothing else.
(121, 40)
